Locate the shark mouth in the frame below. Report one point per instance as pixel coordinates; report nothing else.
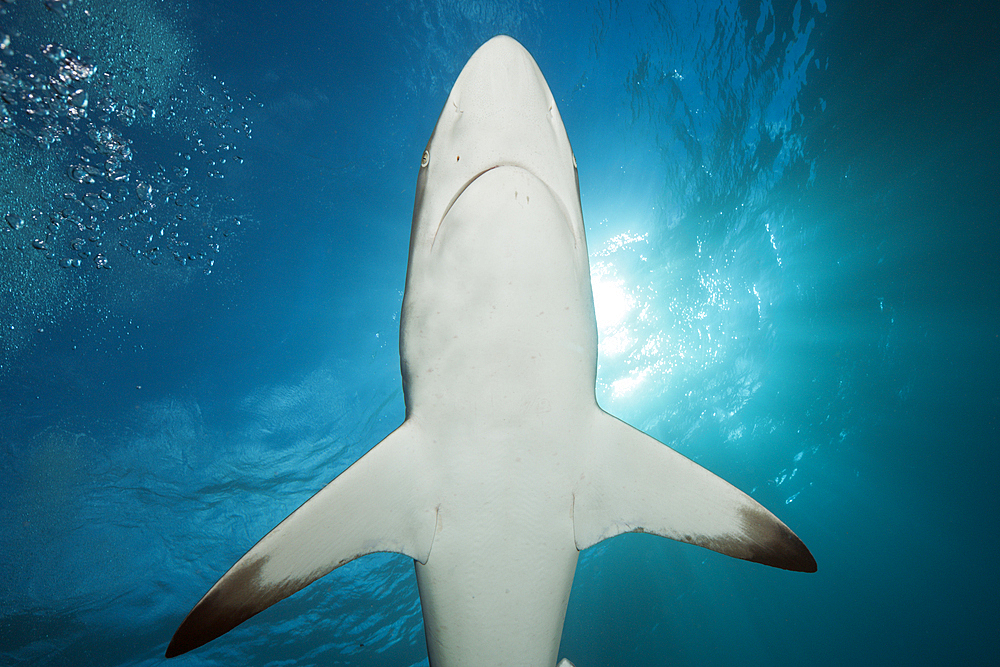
(472, 180)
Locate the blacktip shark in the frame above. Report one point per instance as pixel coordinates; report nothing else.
(505, 467)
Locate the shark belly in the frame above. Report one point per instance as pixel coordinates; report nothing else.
(497, 375)
(495, 588)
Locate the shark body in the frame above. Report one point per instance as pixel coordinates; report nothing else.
(505, 466)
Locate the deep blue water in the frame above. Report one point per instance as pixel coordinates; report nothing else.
(792, 221)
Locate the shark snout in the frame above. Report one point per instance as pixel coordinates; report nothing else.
(502, 79)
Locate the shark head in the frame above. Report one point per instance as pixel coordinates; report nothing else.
(500, 114)
(498, 254)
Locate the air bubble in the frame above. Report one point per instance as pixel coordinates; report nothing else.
(78, 100)
(84, 173)
(95, 203)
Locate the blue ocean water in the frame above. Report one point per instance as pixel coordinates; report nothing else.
(792, 221)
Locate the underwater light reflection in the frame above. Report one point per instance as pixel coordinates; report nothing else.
(659, 322)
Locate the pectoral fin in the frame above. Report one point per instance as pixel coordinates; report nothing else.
(375, 505)
(634, 483)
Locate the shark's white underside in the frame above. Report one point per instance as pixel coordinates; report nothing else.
(505, 467)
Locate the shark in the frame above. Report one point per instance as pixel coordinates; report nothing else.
(505, 466)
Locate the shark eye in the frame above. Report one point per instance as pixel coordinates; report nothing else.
(425, 159)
